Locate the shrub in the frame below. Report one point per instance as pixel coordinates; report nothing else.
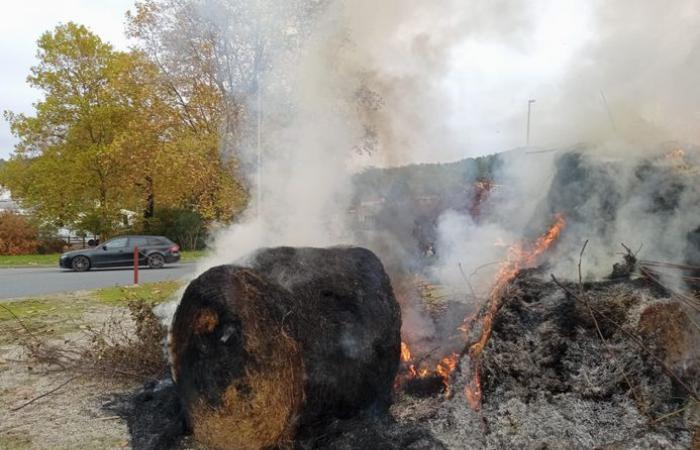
(17, 235)
(184, 226)
(118, 350)
(49, 242)
(121, 348)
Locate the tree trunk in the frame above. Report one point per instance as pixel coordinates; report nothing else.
(149, 210)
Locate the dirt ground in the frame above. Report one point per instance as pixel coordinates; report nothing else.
(73, 416)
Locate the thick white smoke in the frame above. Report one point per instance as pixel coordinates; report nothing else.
(387, 84)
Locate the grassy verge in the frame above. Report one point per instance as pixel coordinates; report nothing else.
(58, 314)
(149, 292)
(29, 260)
(192, 256)
(51, 260)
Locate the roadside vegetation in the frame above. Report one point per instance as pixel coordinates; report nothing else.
(51, 260)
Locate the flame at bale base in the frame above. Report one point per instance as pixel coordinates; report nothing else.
(410, 372)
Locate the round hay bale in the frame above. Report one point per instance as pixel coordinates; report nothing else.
(232, 359)
(298, 338)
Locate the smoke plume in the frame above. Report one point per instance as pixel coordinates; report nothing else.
(349, 85)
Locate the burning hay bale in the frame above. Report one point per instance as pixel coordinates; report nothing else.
(294, 340)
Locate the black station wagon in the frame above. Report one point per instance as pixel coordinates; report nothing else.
(154, 252)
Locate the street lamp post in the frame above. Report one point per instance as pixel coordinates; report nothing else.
(529, 111)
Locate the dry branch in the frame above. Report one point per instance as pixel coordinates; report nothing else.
(45, 394)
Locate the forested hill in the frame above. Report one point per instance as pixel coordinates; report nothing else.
(422, 180)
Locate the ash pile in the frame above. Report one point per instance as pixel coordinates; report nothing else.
(611, 364)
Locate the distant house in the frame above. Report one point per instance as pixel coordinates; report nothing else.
(7, 204)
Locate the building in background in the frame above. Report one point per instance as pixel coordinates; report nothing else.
(7, 204)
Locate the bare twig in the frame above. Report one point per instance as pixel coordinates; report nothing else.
(20, 322)
(636, 340)
(471, 288)
(478, 268)
(580, 257)
(45, 394)
(690, 301)
(108, 418)
(671, 414)
(647, 262)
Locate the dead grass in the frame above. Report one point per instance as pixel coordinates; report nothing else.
(111, 342)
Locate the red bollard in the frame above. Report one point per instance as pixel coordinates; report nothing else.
(136, 265)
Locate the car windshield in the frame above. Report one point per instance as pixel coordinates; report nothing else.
(115, 243)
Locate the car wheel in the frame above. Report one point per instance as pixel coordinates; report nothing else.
(80, 264)
(156, 261)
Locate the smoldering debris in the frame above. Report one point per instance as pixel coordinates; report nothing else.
(154, 415)
(556, 376)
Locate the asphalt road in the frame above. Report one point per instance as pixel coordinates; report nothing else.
(29, 282)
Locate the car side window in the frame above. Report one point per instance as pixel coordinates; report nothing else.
(116, 243)
(138, 241)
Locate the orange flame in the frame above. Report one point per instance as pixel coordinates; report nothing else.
(473, 392)
(405, 352)
(519, 257)
(443, 369)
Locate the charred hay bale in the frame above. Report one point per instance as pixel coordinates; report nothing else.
(238, 371)
(296, 339)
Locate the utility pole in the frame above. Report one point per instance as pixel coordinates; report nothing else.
(258, 88)
(607, 108)
(259, 142)
(529, 111)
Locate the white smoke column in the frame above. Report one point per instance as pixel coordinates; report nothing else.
(364, 70)
(307, 137)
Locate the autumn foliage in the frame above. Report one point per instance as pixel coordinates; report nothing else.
(17, 235)
(115, 132)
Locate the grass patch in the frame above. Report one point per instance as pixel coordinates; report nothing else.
(153, 293)
(51, 260)
(192, 256)
(42, 316)
(29, 260)
(59, 314)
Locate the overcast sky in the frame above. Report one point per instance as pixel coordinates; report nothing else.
(22, 22)
(482, 71)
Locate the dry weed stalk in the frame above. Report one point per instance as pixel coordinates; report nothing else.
(120, 348)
